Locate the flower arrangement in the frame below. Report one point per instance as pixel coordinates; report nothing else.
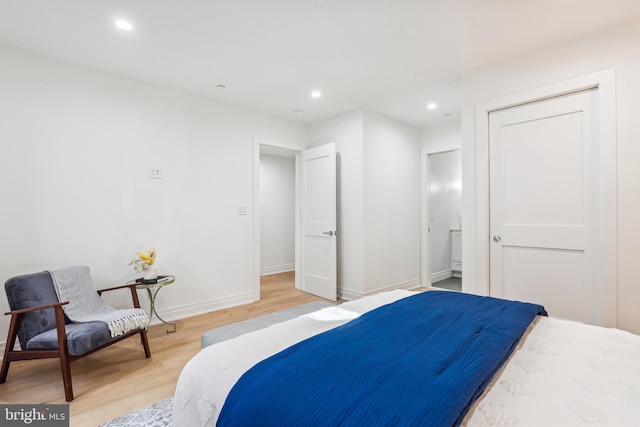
(144, 260)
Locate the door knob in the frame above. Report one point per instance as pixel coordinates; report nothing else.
(330, 233)
(496, 239)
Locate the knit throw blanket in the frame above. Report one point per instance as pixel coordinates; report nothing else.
(74, 284)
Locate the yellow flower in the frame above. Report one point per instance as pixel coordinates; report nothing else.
(144, 260)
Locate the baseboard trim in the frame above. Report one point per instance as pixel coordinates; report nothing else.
(277, 269)
(441, 275)
(351, 294)
(347, 294)
(202, 307)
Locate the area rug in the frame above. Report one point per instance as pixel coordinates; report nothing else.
(155, 415)
(159, 414)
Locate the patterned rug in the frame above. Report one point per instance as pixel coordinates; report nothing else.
(155, 415)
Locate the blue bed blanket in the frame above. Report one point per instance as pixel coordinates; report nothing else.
(420, 361)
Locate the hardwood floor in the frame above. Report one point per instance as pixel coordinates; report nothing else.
(119, 379)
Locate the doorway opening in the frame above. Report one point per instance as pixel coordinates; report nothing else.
(315, 234)
(442, 259)
(275, 239)
(277, 217)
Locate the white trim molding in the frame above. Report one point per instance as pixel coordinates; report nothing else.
(350, 294)
(440, 275)
(202, 307)
(276, 269)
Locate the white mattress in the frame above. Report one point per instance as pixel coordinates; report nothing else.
(565, 373)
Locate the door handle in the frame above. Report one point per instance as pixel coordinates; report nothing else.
(330, 233)
(497, 239)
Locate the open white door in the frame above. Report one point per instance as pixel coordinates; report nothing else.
(318, 264)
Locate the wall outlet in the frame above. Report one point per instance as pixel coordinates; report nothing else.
(155, 173)
(242, 210)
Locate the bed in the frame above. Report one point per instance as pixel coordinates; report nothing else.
(559, 373)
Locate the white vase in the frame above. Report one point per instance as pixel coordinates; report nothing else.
(150, 273)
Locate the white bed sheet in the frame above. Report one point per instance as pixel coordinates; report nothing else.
(208, 377)
(564, 374)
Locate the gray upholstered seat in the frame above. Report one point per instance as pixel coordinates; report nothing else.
(39, 323)
(38, 329)
(81, 338)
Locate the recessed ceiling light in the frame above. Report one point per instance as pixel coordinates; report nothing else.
(124, 25)
(299, 112)
(316, 94)
(432, 106)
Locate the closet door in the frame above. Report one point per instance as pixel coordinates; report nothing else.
(544, 204)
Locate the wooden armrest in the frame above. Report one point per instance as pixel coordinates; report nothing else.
(26, 310)
(132, 288)
(129, 285)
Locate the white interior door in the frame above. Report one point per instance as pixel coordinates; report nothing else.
(318, 252)
(544, 189)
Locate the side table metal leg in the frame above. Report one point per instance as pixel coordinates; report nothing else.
(151, 304)
(153, 310)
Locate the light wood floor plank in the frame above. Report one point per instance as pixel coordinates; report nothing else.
(119, 379)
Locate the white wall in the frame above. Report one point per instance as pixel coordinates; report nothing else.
(347, 132)
(443, 136)
(75, 148)
(391, 204)
(277, 214)
(378, 192)
(616, 47)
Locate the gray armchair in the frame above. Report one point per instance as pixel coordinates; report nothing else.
(44, 331)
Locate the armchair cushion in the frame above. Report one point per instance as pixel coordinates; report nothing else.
(32, 290)
(81, 338)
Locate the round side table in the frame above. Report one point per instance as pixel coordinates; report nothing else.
(153, 287)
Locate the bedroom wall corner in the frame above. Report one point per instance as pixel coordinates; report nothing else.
(391, 203)
(378, 201)
(346, 131)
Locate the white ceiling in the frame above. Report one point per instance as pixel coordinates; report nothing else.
(393, 56)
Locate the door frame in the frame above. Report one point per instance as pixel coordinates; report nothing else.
(258, 144)
(425, 241)
(605, 82)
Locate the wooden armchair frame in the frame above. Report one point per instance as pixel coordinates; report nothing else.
(62, 351)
